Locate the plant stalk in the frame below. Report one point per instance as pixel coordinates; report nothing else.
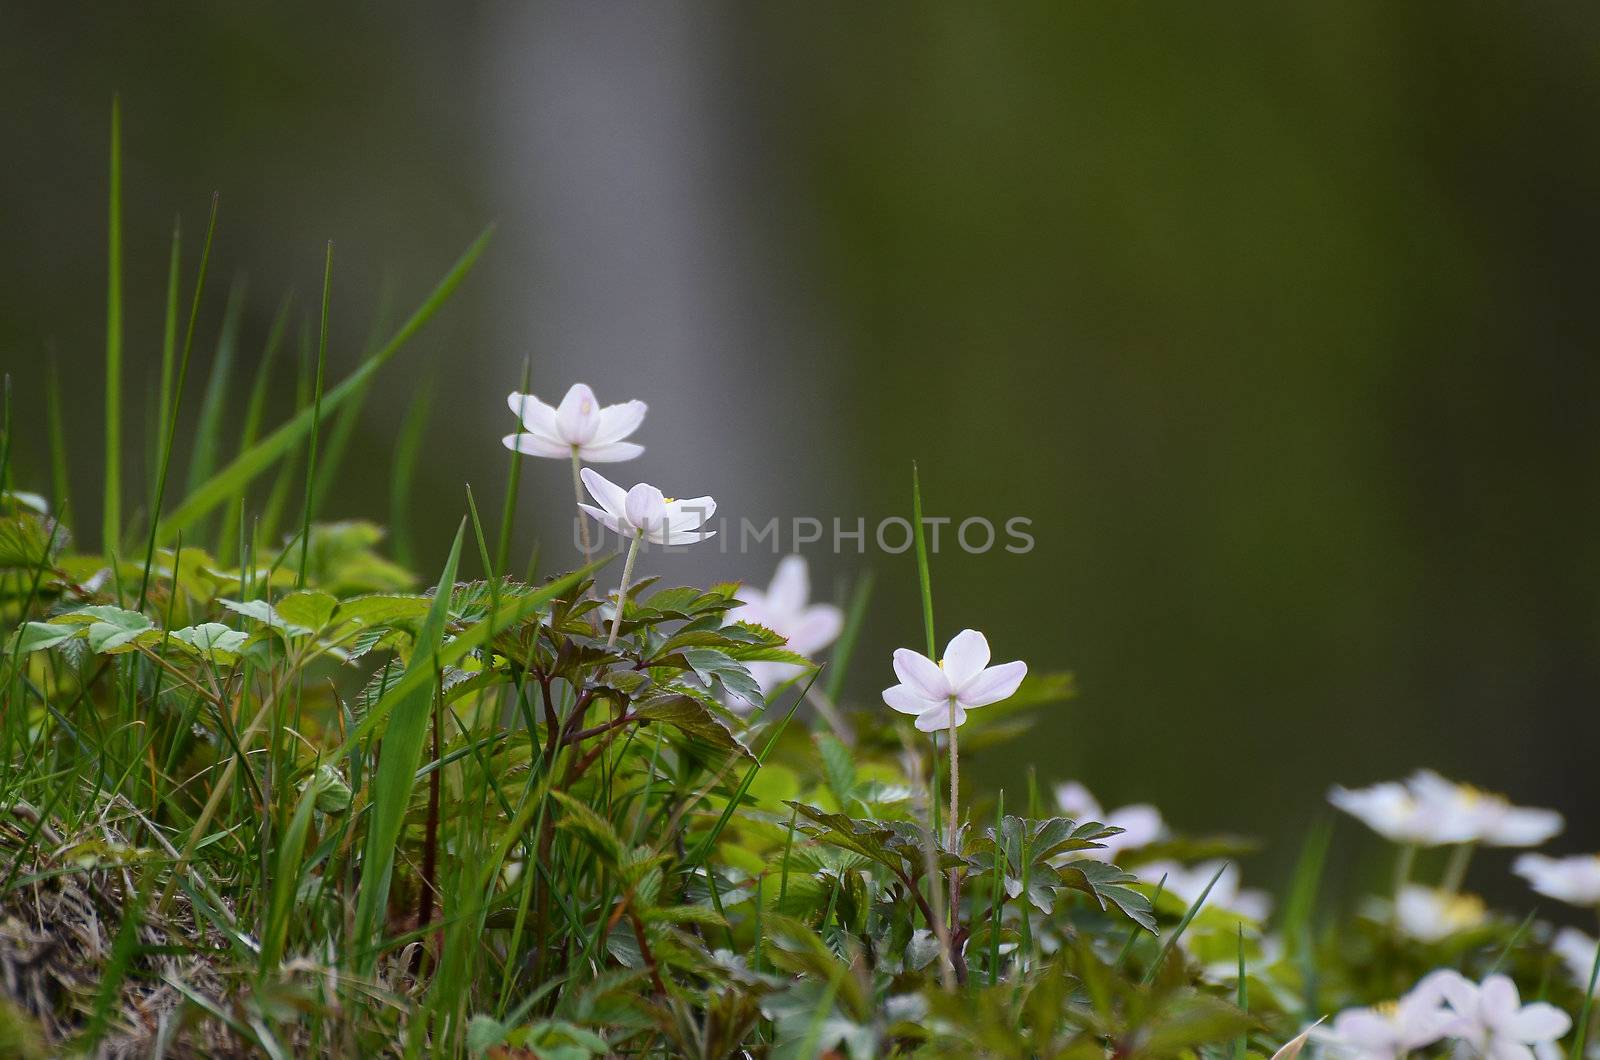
(622, 590)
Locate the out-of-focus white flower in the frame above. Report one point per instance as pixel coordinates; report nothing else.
(1430, 915)
(1141, 823)
(579, 424)
(1428, 810)
(783, 609)
(1577, 952)
(1491, 1021)
(1575, 880)
(1485, 817)
(1187, 884)
(1392, 1029)
(643, 512)
(940, 693)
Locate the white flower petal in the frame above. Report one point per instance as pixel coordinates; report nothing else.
(670, 536)
(1498, 1000)
(922, 674)
(536, 416)
(1506, 1049)
(536, 445)
(994, 684)
(1540, 1022)
(688, 514)
(578, 415)
(608, 494)
(905, 699)
(606, 519)
(965, 657)
(1076, 802)
(645, 508)
(938, 719)
(818, 627)
(791, 586)
(1523, 827)
(619, 421)
(610, 453)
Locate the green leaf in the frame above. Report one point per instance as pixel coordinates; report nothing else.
(309, 609)
(838, 766)
(25, 542)
(115, 629)
(689, 716)
(1107, 883)
(715, 667)
(212, 639)
(33, 636)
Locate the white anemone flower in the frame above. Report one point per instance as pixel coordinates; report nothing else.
(577, 428)
(1141, 823)
(1485, 817)
(1492, 1022)
(1577, 952)
(1392, 1029)
(1187, 884)
(940, 693)
(1431, 915)
(1574, 880)
(1428, 810)
(783, 608)
(642, 513)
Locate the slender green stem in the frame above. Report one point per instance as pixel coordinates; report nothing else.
(955, 801)
(1404, 859)
(111, 518)
(577, 494)
(622, 590)
(1455, 873)
(316, 420)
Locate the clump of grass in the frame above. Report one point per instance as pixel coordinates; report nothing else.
(259, 793)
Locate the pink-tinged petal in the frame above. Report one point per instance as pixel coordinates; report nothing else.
(535, 445)
(965, 657)
(607, 520)
(905, 699)
(610, 496)
(922, 674)
(994, 684)
(578, 415)
(1506, 1049)
(536, 416)
(938, 719)
(1540, 1022)
(818, 627)
(791, 586)
(619, 421)
(612, 453)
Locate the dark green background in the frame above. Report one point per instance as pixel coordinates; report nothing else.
(1279, 323)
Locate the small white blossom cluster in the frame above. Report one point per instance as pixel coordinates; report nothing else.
(1485, 1019)
(1426, 810)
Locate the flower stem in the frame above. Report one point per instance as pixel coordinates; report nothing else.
(1403, 861)
(1456, 871)
(577, 495)
(955, 793)
(622, 590)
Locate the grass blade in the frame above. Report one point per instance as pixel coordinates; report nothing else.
(111, 512)
(406, 452)
(316, 419)
(397, 767)
(265, 453)
(1183, 925)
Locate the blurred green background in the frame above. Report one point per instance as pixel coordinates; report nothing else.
(1277, 321)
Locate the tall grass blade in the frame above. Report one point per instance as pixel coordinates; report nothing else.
(508, 513)
(111, 512)
(208, 432)
(169, 336)
(397, 767)
(1183, 925)
(170, 428)
(844, 647)
(406, 452)
(316, 419)
(60, 480)
(254, 410)
(264, 453)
